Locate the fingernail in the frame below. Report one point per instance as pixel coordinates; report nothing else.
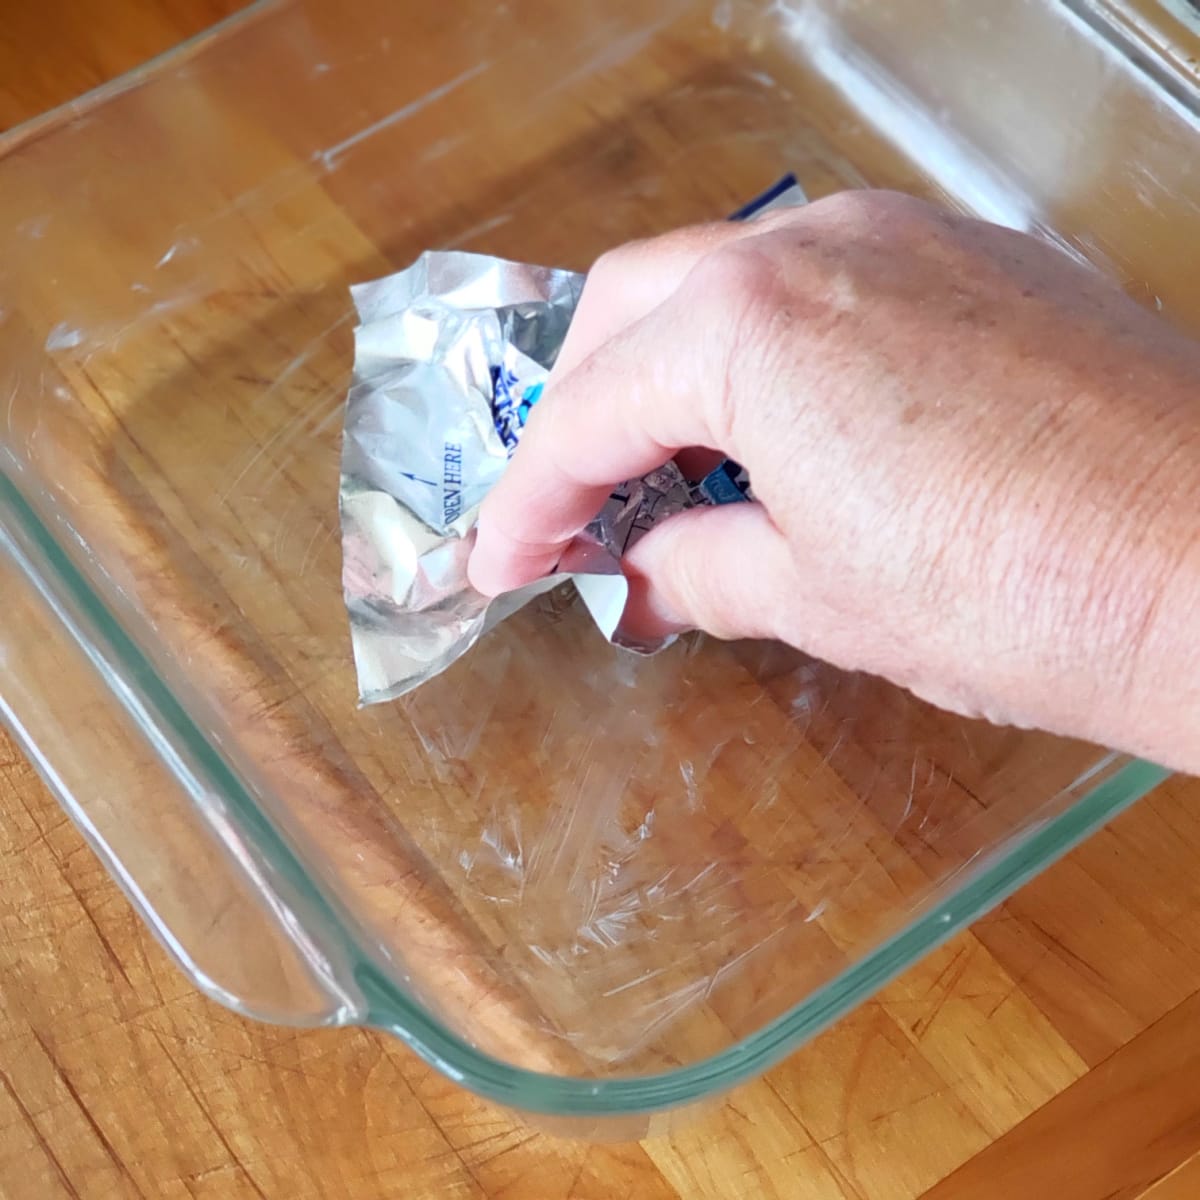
(647, 613)
(498, 565)
(484, 578)
(485, 569)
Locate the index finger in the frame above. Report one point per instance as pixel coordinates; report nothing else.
(632, 280)
(624, 410)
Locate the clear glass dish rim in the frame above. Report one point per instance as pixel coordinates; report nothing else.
(46, 121)
(390, 1009)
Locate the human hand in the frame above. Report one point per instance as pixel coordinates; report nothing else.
(974, 459)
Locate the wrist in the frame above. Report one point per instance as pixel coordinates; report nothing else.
(1119, 587)
(1157, 714)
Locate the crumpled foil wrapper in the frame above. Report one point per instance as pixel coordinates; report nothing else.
(450, 356)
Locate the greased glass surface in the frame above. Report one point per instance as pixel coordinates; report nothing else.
(579, 882)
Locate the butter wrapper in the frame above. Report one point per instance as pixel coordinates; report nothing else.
(450, 357)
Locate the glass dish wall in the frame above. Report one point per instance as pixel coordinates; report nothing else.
(581, 883)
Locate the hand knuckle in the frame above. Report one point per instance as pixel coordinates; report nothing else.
(736, 289)
(692, 240)
(861, 211)
(613, 262)
(735, 285)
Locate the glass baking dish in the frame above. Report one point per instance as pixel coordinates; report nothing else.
(579, 883)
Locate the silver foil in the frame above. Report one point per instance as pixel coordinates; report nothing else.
(449, 357)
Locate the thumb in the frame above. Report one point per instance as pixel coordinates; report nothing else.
(725, 570)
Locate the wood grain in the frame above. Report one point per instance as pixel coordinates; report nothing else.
(1047, 1051)
(190, 433)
